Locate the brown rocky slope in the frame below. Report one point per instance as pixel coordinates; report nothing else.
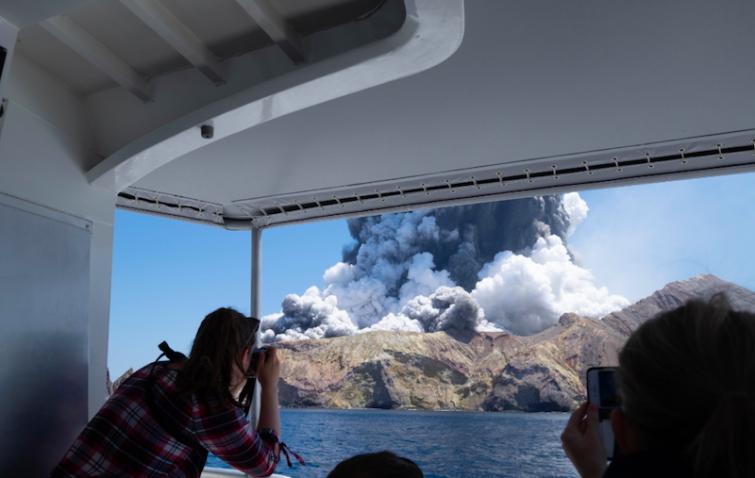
(474, 371)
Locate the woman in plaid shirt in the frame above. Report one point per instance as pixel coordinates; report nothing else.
(165, 417)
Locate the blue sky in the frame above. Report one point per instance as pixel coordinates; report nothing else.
(168, 274)
(636, 239)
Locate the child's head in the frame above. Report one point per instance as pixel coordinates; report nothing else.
(384, 464)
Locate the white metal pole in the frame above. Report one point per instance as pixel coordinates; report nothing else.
(256, 270)
(256, 289)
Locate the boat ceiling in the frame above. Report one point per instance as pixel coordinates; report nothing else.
(222, 26)
(539, 97)
(28, 12)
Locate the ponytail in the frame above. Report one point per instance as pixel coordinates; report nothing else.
(216, 351)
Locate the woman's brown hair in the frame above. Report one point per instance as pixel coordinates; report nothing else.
(217, 349)
(687, 381)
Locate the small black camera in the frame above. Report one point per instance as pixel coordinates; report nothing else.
(208, 131)
(256, 359)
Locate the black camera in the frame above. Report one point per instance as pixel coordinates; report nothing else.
(256, 353)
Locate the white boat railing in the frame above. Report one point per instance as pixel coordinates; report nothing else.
(225, 472)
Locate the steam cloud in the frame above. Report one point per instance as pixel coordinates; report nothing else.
(495, 266)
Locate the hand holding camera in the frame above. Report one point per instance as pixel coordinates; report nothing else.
(266, 365)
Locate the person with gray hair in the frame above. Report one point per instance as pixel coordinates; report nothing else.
(687, 387)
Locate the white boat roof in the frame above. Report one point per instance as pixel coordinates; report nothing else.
(396, 105)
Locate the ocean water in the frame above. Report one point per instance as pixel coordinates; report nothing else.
(443, 444)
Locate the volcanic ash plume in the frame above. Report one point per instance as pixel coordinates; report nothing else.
(448, 308)
(460, 239)
(496, 266)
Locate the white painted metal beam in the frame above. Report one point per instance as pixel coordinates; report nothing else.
(256, 312)
(427, 38)
(163, 22)
(22, 13)
(8, 35)
(256, 291)
(276, 27)
(99, 55)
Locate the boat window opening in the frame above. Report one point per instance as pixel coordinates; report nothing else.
(397, 368)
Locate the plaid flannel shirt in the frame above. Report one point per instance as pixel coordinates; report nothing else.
(125, 439)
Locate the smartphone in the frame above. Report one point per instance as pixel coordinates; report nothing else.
(602, 391)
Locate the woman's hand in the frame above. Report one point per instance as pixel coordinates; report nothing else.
(268, 368)
(582, 444)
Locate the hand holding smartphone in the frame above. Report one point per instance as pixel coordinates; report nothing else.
(603, 392)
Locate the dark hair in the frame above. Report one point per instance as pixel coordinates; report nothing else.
(384, 464)
(687, 380)
(217, 348)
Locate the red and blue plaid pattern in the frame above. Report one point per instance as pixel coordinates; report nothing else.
(126, 439)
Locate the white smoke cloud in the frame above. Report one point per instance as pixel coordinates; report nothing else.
(576, 208)
(396, 323)
(392, 282)
(527, 293)
(365, 299)
(352, 301)
(422, 278)
(389, 266)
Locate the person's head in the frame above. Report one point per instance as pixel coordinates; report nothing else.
(384, 464)
(687, 383)
(220, 351)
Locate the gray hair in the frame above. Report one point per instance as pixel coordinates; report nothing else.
(687, 381)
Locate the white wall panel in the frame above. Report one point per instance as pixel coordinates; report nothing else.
(44, 311)
(44, 152)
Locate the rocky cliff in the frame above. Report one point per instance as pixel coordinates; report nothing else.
(675, 294)
(474, 371)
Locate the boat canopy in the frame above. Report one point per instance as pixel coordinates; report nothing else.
(237, 111)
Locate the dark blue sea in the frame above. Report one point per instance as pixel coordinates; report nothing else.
(443, 444)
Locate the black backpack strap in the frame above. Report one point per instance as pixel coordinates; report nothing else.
(172, 355)
(175, 431)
